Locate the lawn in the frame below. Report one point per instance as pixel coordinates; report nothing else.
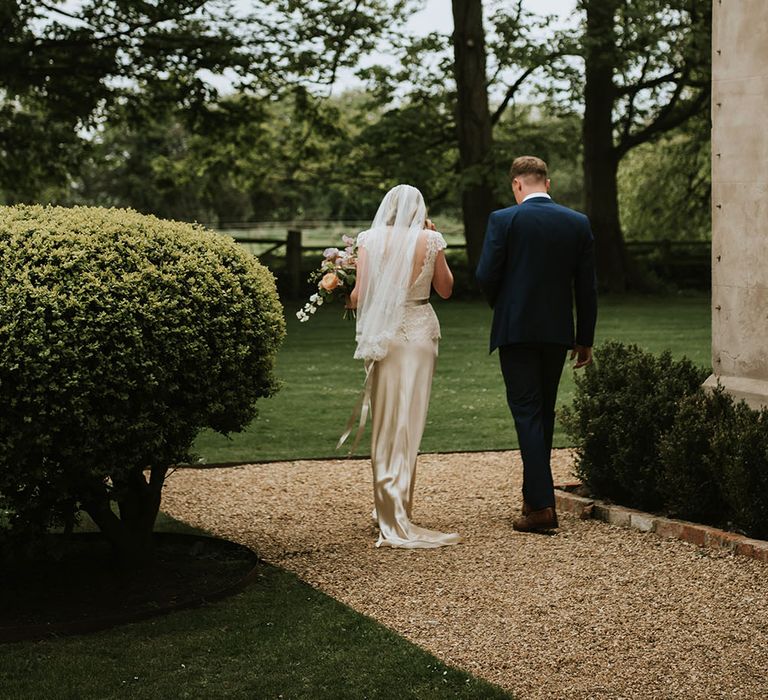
(321, 381)
(280, 638)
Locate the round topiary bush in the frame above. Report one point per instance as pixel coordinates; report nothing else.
(121, 337)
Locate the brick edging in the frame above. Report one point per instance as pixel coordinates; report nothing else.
(700, 535)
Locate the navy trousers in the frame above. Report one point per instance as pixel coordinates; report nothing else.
(532, 374)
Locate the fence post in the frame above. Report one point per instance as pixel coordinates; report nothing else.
(293, 262)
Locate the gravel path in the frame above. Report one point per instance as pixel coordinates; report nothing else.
(593, 612)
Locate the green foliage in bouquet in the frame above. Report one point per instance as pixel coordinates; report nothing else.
(121, 337)
(623, 405)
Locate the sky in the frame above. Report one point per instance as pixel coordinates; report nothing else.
(437, 16)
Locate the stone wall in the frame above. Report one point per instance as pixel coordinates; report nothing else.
(740, 198)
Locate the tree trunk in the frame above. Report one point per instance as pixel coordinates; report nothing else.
(601, 158)
(473, 120)
(602, 206)
(130, 534)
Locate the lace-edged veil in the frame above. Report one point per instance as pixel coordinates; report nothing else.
(390, 245)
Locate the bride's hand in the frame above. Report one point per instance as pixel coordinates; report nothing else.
(429, 225)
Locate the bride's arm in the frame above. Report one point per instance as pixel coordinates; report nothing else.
(359, 280)
(442, 279)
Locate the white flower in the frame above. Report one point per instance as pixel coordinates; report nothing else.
(314, 297)
(319, 301)
(313, 309)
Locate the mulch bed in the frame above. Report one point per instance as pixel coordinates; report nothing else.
(82, 590)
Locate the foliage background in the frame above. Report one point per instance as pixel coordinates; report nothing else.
(138, 119)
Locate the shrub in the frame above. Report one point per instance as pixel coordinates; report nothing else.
(742, 447)
(716, 463)
(121, 337)
(693, 454)
(648, 436)
(623, 405)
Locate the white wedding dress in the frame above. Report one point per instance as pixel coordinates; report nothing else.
(400, 388)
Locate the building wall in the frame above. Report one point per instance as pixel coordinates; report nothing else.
(740, 198)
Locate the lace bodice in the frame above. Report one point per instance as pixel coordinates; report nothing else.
(420, 322)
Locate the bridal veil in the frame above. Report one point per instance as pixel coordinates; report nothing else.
(390, 246)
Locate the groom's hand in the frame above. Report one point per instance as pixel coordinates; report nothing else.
(429, 225)
(583, 356)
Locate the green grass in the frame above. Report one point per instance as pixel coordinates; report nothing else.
(280, 638)
(468, 410)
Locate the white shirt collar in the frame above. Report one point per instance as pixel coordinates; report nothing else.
(536, 194)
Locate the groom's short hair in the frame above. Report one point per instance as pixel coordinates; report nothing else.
(529, 167)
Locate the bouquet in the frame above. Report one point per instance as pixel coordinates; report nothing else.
(335, 278)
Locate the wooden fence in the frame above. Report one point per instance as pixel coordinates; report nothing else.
(284, 248)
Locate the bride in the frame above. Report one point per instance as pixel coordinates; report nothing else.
(399, 259)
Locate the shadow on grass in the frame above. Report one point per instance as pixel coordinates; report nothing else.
(278, 638)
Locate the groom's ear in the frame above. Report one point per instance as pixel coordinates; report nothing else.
(548, 183)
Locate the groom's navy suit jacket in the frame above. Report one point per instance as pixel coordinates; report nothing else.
(537, 258)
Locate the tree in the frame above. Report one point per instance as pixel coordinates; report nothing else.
(665, 187)
(515, 54)
(158, 162)
(646, 73)
(473, 122)
(62, 71)
(510, 54)
(121, 337)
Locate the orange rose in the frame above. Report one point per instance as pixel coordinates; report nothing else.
(329, 282)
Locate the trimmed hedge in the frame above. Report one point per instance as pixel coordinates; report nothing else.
(693, 453)
(623, 405)
(648, 436)
(121, 337)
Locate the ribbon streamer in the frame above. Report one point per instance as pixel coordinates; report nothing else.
(362, 407)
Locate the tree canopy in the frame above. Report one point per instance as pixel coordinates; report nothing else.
(65, 73)
(199, 110)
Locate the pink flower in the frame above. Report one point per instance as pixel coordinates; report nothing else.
(330, 253)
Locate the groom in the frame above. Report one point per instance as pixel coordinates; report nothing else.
(537, 258)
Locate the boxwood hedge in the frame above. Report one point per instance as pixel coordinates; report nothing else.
(647, 435)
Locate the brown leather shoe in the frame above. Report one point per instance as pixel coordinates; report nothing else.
(526, 508)
(537, 521)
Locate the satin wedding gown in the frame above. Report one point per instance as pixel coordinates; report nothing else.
(400, 390)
